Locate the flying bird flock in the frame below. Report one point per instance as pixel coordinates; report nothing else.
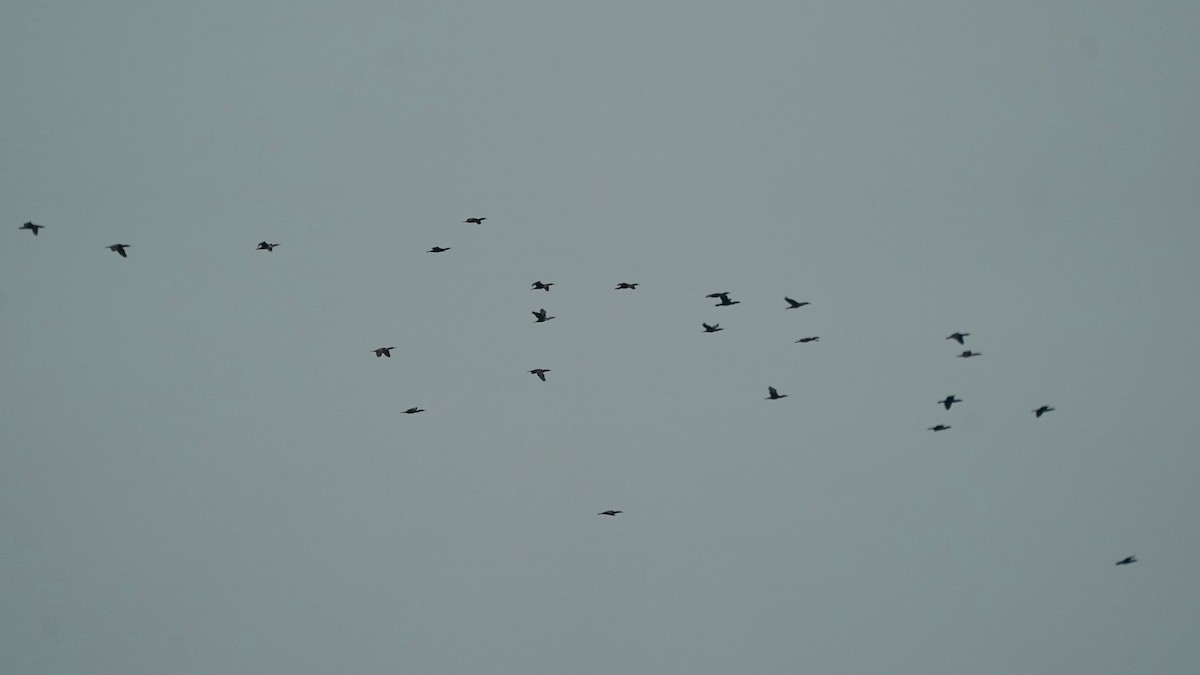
(724, 299)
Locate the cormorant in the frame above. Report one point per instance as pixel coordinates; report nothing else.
(609, 513)
(541, 373)
(957, 337)
(384, 351)
(711, 329)
(725, 301)
(541, 316)
(774, 395)
(949, 401)
(792, 304)
(31, 227)
(264, 246)
(1042, 411)
(539, 285)
(119, 248)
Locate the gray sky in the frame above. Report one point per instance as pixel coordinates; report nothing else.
(204, 468)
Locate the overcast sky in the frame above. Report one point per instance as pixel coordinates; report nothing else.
(205, 469)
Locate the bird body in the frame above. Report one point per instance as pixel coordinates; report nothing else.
(264, 246)
(31, 227)
(949, 401)
(541, 316)
(384, 351)
(119, 249)
(541, 373)
(1042, 411)
(957, 337)
(773, 395)
(792, 304)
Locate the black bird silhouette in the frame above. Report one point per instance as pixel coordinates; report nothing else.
(477, 221)
(968, 354)
(949, 401)
(711, 329)
(384, 351)
(541, 316)
(808, 339)
(541, 373)
(792, 304)
(1127, 561)
(413, 410)
(31, 227)
(119, 248)
(940, 427)
(957, 337)
(1042, 411)
(539, 285)
(774, 395)
(438, 249)
(264, 246)
(609, 513)
(725, 301)
(625, 285)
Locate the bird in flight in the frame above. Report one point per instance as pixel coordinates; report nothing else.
(711, 329)
(31, 227)
(384, 351)
(264, 246)
(438, 249)
(625, 285)
(957, 337)
(1128, 561)
(1042, 411)
(968, 354)
(940, 427)
(541, 316)
(774, 395)
(949, 401)
(413, 410)
(725, 301)
(539, 285)
(119, 248)
(477, 221)
(792, 304)
(541, 373)
(809, 339)
(609, 513)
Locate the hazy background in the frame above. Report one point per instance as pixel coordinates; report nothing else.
(204, 468)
